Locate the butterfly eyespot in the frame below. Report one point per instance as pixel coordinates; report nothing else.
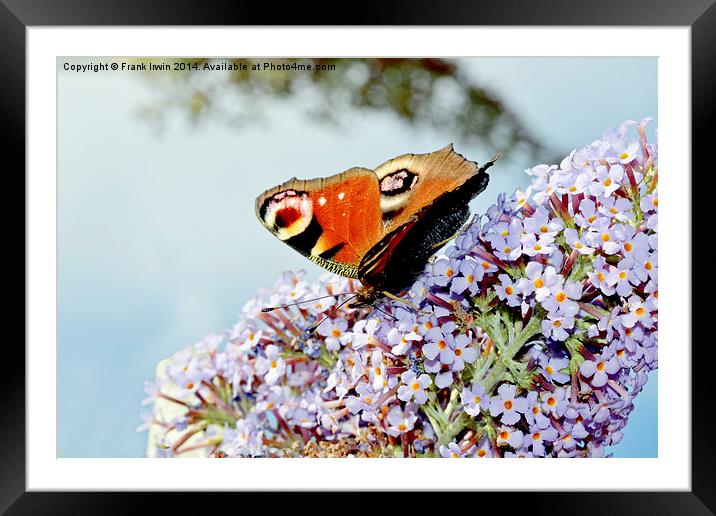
(286, 217)
(398, 182)
(288, 212)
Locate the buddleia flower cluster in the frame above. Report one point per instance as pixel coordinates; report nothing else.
(530, 336)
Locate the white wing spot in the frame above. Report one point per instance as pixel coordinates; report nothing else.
(321, 200)
(341, 196)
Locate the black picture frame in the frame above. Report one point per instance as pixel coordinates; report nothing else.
(17, 15)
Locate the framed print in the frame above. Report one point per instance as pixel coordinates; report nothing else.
(333, 257)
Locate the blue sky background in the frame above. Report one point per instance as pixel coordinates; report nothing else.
(158, 244)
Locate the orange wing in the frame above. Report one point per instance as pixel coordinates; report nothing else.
(332, 221)
(425, 178)
(336, 221)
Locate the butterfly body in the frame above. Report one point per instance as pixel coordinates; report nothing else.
(379, 226)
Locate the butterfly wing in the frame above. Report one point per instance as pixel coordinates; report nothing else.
(411, 182)
(394, 263)
(332, 221)
(360, 223)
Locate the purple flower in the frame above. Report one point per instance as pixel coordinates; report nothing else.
(510, 436)
(453, 451)
(561, 302)
(537, 437)
(440, 345)
(474, 399)
(542, 281)
(470, 274)
(508, 404)
(413, 387)
(552, 370)
(600, 369)
(556, 326)
(534, 414)
(401, 421)
(272, 366)
(463, 351)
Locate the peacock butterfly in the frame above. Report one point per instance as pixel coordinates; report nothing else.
(379, 226)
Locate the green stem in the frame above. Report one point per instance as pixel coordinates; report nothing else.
(508, 353)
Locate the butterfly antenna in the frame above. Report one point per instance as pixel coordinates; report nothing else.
(272, 308)
(492, 161)
(313, 328)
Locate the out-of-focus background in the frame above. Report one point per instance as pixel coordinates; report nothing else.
(158, 244)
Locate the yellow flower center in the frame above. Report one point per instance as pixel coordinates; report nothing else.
(601, 366)
(628, 247)
(442, 344)
(508, 405)
(560, 297)
(415, 386)
(538, 283)
(509, 290)
(605, 237)
(543, 229)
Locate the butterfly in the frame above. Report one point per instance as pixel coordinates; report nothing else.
(379, 226)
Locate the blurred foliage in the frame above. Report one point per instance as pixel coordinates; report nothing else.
(422, 92)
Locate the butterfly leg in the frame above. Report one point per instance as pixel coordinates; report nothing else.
(411, 305)
(437, 246)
